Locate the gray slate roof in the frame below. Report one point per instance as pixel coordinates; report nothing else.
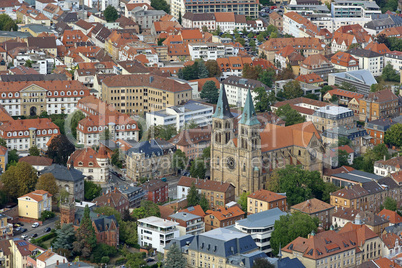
(262, 219)
(359, 52)
(358, 176)
(62, 173)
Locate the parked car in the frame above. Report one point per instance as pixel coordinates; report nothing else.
(164, 179)
(34, 235)
(21, 224)
(24, 236)
(150, 260)
(47, 229)
(23, 230)
(36, 224)
(16, 225)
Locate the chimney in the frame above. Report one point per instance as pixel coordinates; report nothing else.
(385, 158)
(108, 200)
(57, 262)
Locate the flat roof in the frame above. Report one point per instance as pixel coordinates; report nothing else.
(262, 219)
(223, 234)
(358, 176)
(185, 216)
(156, 221)
(333, 110)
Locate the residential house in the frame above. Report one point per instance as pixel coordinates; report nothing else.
(381, 22)
(21, 252)
(229, 21)
(69, 179)
(3, 158)
(156, 191)
(392, 216)
(113, 199)
(217, 193)
(352, 245)
(192, 141)
(199, 20)
(5, 254)
(369, 60)
(223, 217)
(332, 116)
(311, 79)
(93, 165)
(377, 128)
(316, 208)
(317, 64)
(211, 51)
(37, 162)
(378, 105)
(377, 47)
(189, 224)
(144, 16)
(344, 215)
(219, 247)
(49, 258)
(386, 167)
(47, 44)
(156, 232)
(394, 58)
(309, 46)
(276, 20)
(345, 98)
(345, 62)
(260, 226)
(232, 66)
(360, 79)
(298, 26)
(150, 159)
(34, 203)
(145, 93)
(263, 200)
(134, 195)
(391, 250)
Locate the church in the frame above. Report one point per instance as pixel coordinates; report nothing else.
(247, 159)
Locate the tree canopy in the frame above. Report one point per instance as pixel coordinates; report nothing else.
(193, 197)
(77, 117)
(7, 23)
(197, 168)
(48, 183)
(110, 14)
(34, 151)
(159, 131)
(213, 68)
(85, 236)
(91, 190)
(289, 115)
(390, 203)
(292, 90)
(262, 101)
(160, 5)
(147, 209)
(393, 135)
(179, 160)
(210, 92)
(174, 258)
(389, 74)
(60, 149)
(291, 226)
(19, 180)
(243, 201)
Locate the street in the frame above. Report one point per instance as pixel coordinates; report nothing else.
(39, 230)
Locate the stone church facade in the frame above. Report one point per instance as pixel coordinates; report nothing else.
(247, 159)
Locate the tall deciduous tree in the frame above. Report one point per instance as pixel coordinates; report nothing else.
(213, 68)
(193, 197)
(377, 153)
(160, 5)
(105, 135)
(115, 159)
(12, 158)
(110, 14)
(206, 155)
(60, 149)
(291, 226)
(7, 23)
(262, 102)
(292, 90)
(77, 117)
(48, 183)
(147, 209)
(197, 168)
(290, 115)
(174, 258)
(91, 190)
(390, 204)
(393, 135)
(179, 160)
(389, 74)
(210, 92)
(204, 202)
(202, 70)
(19, 180)
(85, 236)
(34, 151)
(243, 201)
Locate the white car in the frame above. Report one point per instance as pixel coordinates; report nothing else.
(24, 236)
(36, 224)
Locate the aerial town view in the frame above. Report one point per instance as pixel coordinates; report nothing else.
(201, 133)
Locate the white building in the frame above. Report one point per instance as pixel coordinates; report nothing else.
(181, 115)
(93, 165)
(49, 258)
(237, 89)
(260, 226)
(386, 167)
(369, 60)
(354, 9)
(156, 232)
(189, 224)
(394, 58)
(194, 20)
(211, 51)
(113, 3)
(41, 62)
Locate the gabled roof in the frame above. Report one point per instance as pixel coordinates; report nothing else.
(310, 78)
(225, 213)
(267, 196)
(36, 160)
(192, 136)
(204, 184)
(35, 195)
(312, 206)
(63, 173)
(378, 48)
(344, 59)
(390, 215)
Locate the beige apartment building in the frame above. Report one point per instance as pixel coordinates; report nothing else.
(263, 200)
(139, 93)
(329, 117)
(316, 208)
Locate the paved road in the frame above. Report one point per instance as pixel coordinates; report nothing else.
(39, 230)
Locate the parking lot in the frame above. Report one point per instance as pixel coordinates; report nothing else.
(40, 231)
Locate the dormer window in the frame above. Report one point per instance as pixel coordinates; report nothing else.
(80, 164)
(90, 164)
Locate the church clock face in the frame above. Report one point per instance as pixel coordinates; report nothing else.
(230, 163)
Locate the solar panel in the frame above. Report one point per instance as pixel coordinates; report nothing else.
(22, 243)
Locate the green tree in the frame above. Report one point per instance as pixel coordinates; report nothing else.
(250, 35)
(262, 263)
(160, 41)
(12, 158)
(179, 20)
(191, 124)
(179, 160)
(60, 149)
(91, 190)
(251, 72)
(19, 180)
(162, 132)
(243, 201)
(135, 260)
(115, 159)
(289, 115)
(389, 74)
(328, 189)
(213, 68)
(197, 168)
(204, 202)
(65, 236)
(252, 44)
(260, 38)
(206, 155)
(377, 153)
(147, 209)
(241, 41)
(105, 135)
(110, 14)
(202, 70)
(128, 232)
(393, 135)
(343, 141)
(34, 151)
(343, 158)
(292, 90)
(7, 23)
(3, 142)
(262, 102)
(160, 5)
(77, 117)
(267, 77)
(298, 184)
(204, 29)
(390, 204)
(102, 253)
(174, 258)
(85, 236)
(210, 92)
(193, 197)
(325, 89)
(291, 226)
(48, 183)
(28, 63)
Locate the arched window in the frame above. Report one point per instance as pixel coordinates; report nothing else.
(89, 129)
(62, 93)
(26, 133)
(90, 164)
(55, 131)
(49, 131)
(81, 92)
(68, 93)
(75, 93)
(56, 93)
(17, 94)
(80, 164)
(20, 133)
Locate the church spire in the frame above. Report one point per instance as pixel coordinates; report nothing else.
(222, 108)
(249, 117)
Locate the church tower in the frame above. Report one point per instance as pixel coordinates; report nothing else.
(67, 211)
(249, 148)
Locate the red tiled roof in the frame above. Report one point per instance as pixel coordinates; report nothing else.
(36, 160)
(390, 215)
(310, 78)
(267, 196)
(224, 213)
